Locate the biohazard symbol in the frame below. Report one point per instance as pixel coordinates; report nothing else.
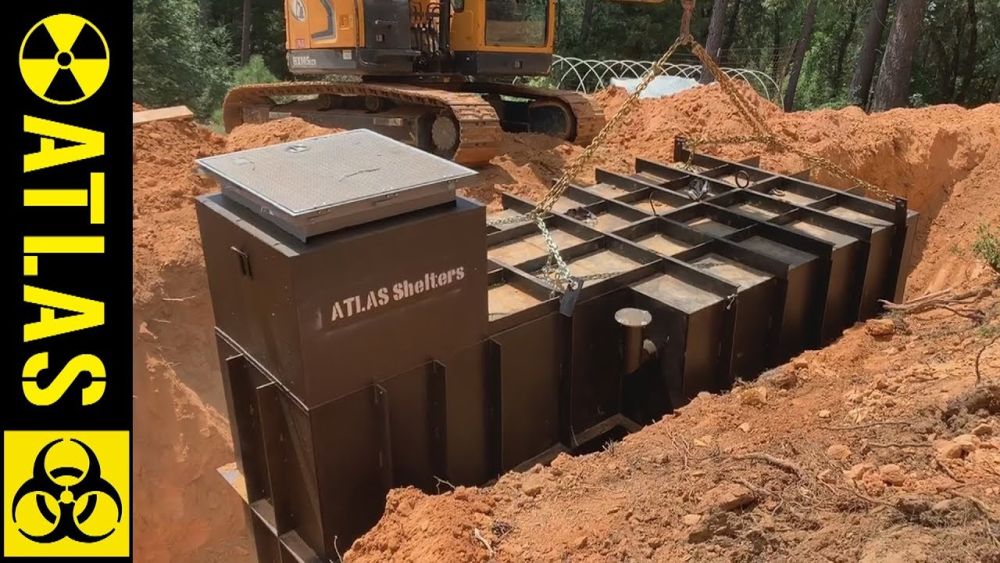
(88, 487)
(64, 59)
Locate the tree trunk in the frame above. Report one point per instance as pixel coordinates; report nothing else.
(956, 59)
(861, 82)
(204, 9)
(714, 42)
(944, 66)
(801, 46)
(245, 36)
(969, 68)
(776, 49)
(845, 42)
(893, 85)
(587, 23)
(995, 94)
(730, 35)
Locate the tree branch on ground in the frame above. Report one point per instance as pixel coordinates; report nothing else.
(776, 461)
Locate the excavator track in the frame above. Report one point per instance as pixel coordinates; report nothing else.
(478, 124)
(589, 117)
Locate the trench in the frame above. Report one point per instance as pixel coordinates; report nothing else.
(190, 513)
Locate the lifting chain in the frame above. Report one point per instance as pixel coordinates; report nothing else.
(559, 270)
(573, 170)
(763, 134)
(556, 267)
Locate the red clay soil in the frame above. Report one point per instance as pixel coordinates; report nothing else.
(680, 488)
(252, 135)
(526, 166)
(180, 435)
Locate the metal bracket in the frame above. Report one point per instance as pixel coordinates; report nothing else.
(680, 153)
(566, 381)
(494, 425)
(726, 344)
(567, 303)
(898, 245)
(381, 397)
(437, 413)
(275, 441)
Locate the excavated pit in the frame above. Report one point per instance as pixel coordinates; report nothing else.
(944, 159)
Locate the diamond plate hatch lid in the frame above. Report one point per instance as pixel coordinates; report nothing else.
(322, 184)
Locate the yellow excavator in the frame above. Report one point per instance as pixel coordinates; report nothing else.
(426, 72)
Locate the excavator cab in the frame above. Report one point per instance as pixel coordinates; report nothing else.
(408, 37)
(390, 37)
(437, 74)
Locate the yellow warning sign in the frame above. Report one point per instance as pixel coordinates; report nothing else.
(66, 493)
(64, 59)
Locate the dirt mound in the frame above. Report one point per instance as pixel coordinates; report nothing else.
(252, 135)
(703, 110)
(854, 452)
(164, 166)
(526, 166)
(165, 183)
(180, 437)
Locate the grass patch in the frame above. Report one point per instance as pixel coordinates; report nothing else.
(987, 247)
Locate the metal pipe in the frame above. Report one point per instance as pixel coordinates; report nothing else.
(632, 321)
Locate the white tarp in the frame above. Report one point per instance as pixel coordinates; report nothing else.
(660, 87)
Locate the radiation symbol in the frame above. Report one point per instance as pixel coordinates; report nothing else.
(75, 498)
(64, 59)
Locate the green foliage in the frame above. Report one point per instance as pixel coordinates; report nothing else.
(987, 332)
(620, 30)
(541, 82)
(987, 246)
(828, 67)
(187, 51)
(255, 72)
(836, 103)
(178, 57)
(267, 29)
(917, 100)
